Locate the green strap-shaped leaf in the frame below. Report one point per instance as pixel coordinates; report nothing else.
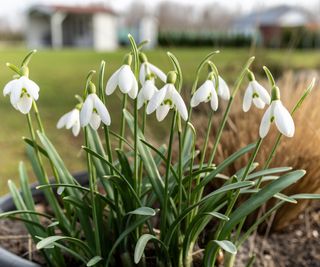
(143, 211)
(249, 206)
(94, 261)
(141, 244)
(226, 245)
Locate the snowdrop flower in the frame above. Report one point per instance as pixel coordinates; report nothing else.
(125, 79)
(279, 114)
(147, 68)
(147, 91)
(206, 92)
(71, 120)
(255, 93)
(94, 111)
(166, 98)
(23, 92)
(223, 89)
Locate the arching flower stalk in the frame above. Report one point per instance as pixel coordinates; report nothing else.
(124, 79)
(255, 93)
(93, 110)
(167, 98)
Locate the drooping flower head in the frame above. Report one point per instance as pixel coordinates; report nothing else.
(71, 120)
(167, 98)
(255, 93)
(146, 69)
(147, 91)
(206, 92)
(93, 110)
(21, 89)
(124, 78)
(277, 113)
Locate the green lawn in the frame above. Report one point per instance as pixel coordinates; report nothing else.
(61, 74)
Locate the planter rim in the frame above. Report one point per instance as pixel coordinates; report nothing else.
(9, 259)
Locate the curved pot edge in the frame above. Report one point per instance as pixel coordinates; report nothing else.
(9, 259)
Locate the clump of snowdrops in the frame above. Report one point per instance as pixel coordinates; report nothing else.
(131, 212)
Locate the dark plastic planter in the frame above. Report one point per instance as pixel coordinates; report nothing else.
(8, 259)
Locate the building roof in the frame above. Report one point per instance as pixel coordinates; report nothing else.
(282, 15)
(90, 9)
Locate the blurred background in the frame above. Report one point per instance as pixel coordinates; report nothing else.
(72, 37)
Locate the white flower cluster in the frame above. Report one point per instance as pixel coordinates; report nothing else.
(23, 92)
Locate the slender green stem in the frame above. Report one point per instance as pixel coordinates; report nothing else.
(204, 152)
(166, 178)
(37, 114)
(122, 123)
(93, 189)
(237, 193)
(220, 130)
(180, 173)
(49, 193)
(105, 127)
(144, 117)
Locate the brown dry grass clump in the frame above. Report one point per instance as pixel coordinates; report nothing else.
(301, 152)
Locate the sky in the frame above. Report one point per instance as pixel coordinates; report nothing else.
(13, 9)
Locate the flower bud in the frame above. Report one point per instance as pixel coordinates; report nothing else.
(24, 71)
(92, 88)
(127, 60)
(171, 77)
(275, 93)
(143, 58)
(250, 76)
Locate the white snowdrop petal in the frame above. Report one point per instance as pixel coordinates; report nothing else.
(142, 73)
(202, 93)
(283, 120)
(140, 99)
(180, 105)
(15, 92)
(257, 101)
(262, 92)
(157, 99)
(76, 129)
(159, 73)
(95, 121)
(31, 87)
(24, 104)
(102, 110)
(8, 87)
(247, 99)
(214, 103)
(112, 83)
(72, 118)
(134, 90)
(223, 90)
(162, 112)
(86, 111)
(149, 89)
(63, 120)
(125, 79)
(265, 122)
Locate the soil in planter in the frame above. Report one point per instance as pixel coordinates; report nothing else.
(15, 238)
(296, 246)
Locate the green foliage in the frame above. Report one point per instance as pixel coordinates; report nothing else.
(138, 187)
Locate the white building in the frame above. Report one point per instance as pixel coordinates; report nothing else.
(72, 26)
